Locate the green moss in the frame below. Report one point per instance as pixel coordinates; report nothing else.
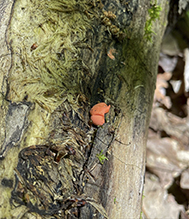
(154, 13)
(44, 38)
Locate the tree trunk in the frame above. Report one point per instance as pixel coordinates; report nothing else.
(58, 59)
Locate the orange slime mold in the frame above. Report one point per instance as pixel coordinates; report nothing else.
(97, 113)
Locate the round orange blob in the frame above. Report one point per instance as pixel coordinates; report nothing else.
(97, 113)
(100, 109)
(98, 119)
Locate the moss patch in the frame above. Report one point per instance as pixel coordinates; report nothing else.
(44, 37)
(154, 13)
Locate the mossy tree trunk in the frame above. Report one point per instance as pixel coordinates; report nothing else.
(58, 59)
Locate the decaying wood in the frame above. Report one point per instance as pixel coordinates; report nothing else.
(59, 58)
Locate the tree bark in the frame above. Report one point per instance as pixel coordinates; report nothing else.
(58, 59)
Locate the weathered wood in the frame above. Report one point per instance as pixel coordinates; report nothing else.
(59, 58)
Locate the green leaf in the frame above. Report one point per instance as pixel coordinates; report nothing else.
(101, 157)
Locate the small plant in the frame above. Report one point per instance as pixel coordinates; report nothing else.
(101, 157)
(154, 13)
(141, 217)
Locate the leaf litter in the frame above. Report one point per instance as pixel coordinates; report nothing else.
(166, 190)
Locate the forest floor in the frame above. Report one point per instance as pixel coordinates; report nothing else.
(166, 190)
